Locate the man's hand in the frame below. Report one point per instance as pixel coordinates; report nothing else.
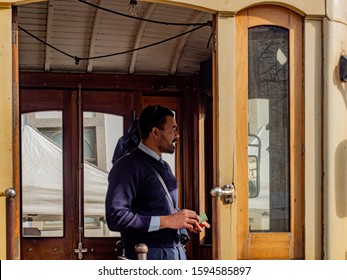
(200, 227)
(182, 219)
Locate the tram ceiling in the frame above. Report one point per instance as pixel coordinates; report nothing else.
(98, 36)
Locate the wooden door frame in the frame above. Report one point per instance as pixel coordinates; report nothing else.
(122, 104)
(67, 101)
(13, 206)
(40, 100)
(291, 243)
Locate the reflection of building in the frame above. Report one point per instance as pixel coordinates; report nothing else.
(50, 124)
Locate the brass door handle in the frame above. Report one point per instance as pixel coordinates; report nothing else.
(9, 193)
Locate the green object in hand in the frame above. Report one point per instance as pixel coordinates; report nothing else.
(202, 218)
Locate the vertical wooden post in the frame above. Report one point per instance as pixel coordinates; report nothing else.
(13, 204)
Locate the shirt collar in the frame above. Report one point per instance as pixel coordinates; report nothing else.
(148, 151)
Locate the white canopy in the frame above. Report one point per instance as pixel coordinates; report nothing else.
(42, 178)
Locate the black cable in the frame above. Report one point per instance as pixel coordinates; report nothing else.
(45, 43)
(78, 59)
(208, 23)
(144, 47)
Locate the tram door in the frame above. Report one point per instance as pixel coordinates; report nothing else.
(68, 138)
(258, 202)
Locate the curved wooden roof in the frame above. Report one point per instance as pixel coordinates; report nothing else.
(74, 36)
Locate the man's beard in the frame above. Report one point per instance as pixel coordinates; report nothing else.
(170, 150)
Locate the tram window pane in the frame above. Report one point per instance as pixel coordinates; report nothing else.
(268, 141)
(101, 134)
(42, 175)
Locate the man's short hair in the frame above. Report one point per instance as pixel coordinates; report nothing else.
(153, 116)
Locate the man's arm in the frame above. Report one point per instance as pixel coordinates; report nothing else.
(120, 194)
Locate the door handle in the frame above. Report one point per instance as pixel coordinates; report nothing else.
(226, 193)
(9, 193)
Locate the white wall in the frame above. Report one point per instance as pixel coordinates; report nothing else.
(335, 133)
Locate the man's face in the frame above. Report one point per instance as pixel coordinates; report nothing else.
(168, 136)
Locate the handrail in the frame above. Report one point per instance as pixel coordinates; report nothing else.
(9, 193)
(11, 247)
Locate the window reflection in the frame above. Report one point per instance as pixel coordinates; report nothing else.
(101, 134)
(42, 172)
(42, 179)
(268, 114)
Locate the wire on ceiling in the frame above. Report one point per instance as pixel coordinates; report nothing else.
(208, 23)
(78, 59)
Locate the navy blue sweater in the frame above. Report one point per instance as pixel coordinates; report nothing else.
(134, 195)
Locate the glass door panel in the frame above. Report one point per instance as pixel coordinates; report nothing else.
(42, 174)
(60, 208)
(268, 129)
(101, 134)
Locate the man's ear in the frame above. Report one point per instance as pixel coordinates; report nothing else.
(155, 131)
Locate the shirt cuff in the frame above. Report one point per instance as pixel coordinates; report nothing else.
(155, 223)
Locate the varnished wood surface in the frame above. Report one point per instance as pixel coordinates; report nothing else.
(272, 245)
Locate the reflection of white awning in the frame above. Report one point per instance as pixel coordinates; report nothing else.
(42, 178)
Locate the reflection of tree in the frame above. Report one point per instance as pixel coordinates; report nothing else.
(269, 79)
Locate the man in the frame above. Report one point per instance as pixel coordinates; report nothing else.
(136, 202)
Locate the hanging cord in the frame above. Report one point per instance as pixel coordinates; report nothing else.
(208, 23)
(78, 59)
(144, 47)
(45, 43)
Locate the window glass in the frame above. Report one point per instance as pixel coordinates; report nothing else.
(268, 127)
(42, 174)
(101, 134)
